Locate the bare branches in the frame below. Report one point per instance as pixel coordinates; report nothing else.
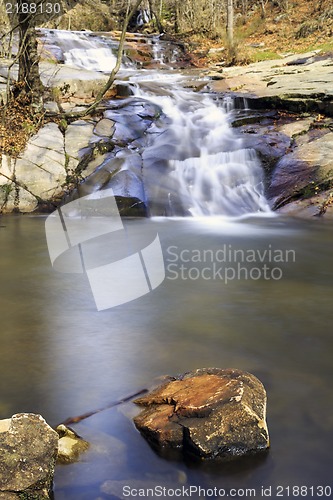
(109, 83)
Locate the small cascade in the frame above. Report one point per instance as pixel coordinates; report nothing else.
(143, 17)
(158, 52)
(165, 53)
(194, 162)
(228, 183)
(211, 171)
(81, 49)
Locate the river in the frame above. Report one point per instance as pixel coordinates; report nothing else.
(216, 307)
(61, 358)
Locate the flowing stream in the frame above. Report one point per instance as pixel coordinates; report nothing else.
(217, 306)
(208, 168)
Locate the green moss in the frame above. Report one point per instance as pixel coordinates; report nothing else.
(264, 55)
(323, 47)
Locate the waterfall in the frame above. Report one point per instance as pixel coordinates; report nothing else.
(211, 170)
(194, 162)
(81, 49)
(143, 17)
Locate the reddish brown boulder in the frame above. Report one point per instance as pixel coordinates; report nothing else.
(210, 412)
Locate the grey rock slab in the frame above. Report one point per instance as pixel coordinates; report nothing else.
(100, 178)
(51, 106)
(7, 168)
(104, 127)
(28, 449)
(127, 184)
(77, 137)
(41, 167)
(297, 127)
(308, 164)
(13, 198)
(93, 165)
(313, 80)
(78, 80)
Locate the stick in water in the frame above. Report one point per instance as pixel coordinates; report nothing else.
(75, 420)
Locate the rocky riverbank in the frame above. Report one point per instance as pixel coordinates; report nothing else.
(295, 140)
(290, 126)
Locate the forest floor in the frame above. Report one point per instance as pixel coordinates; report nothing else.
(304, 27)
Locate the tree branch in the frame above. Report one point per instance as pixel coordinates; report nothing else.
(114, 71)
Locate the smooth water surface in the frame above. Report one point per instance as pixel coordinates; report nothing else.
(61, 358)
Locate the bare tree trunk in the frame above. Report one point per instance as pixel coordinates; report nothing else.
(176, 22)
(263, 10)
(156, 16)
(28, 73)
(230, 22)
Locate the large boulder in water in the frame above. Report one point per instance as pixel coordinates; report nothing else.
(28, 450)
(210, 413)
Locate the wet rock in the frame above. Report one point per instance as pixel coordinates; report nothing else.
(318, 205)
(104, 459)
(300, 173)
(89, 164)
(270, 144)
(28, 450)
(104, 128)
(129, 192)
(70, 445)
(100, 178)
(209, 413)
(131, 207)
(123, 90)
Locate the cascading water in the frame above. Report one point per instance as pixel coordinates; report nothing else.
(194, 161)
(209, 167)
(81, 49)
(143, 17)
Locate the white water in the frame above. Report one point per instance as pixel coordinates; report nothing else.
(80, 49)
(209, 167)
(215, 174)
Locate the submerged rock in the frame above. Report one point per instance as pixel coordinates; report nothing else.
(105, 459)
(28, 450)
(70, 446)
(209, 413)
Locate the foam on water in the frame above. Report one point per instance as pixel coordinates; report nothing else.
(215, 174)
